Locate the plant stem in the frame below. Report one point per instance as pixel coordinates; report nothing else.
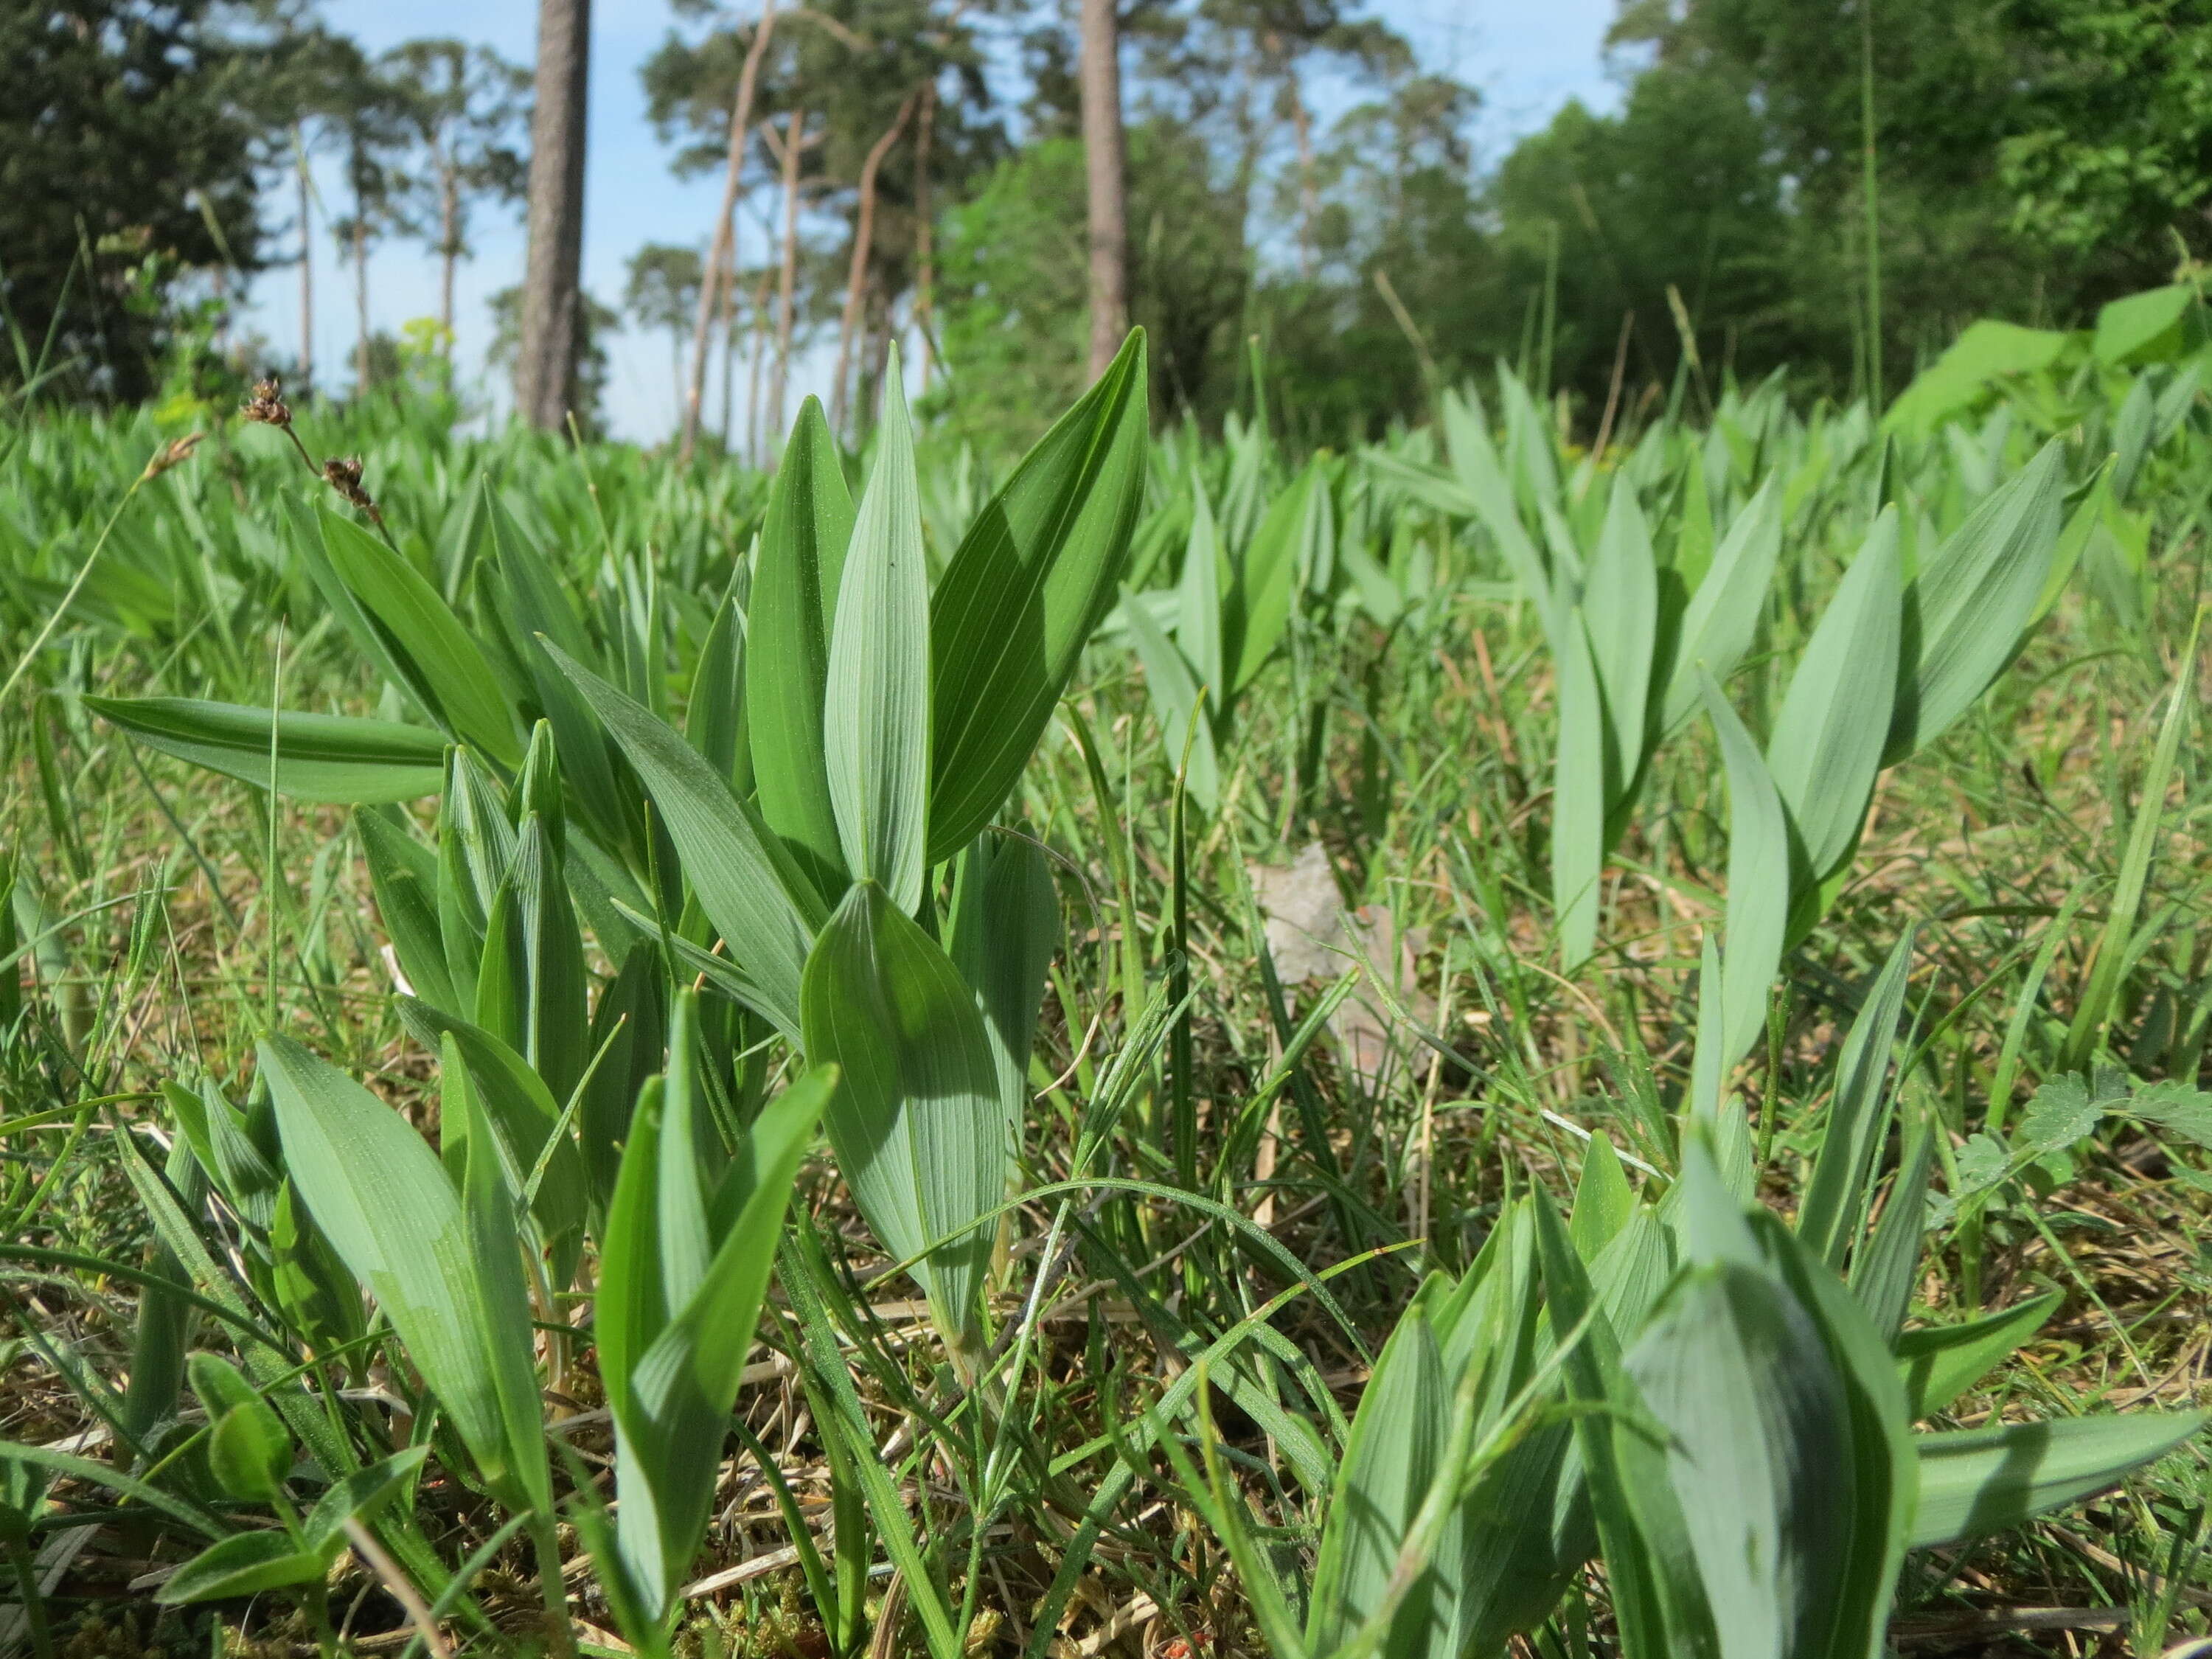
(34, 1604)
(76, 586)
(545, 1542)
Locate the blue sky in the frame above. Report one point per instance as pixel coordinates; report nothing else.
(1526, 60)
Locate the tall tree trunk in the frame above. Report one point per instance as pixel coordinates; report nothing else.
(361, 299)
(1102, 166)
(753, 376)
(449, 248)
(727, 328)
(552, 296)
(787, 280)
(925, 241)
(307, 270)
(863, 230)
(726, 223)
(1309, 196)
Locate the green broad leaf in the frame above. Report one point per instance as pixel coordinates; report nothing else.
(476, 850)
(1604, 1200)
(244, 1564)
(523, 599)
(631, 1307)
(1647, 1555)
(2063, 1113)
(1003, 933)
(1032, 579)
(684, 1264)
(1825, 750)
(1759, 885)
(2144, 327)
(381, 1196)
(1620, 609)
(1972, 603)
(361, 1496)
(715, 718)
(1986, 354)
(445, 668)
(797, 571)
(628, 1028)
(249, 1452)
(758, 899)
(918, 1128)
(1186, 728)
(1475, 459)
(403, 874)
(499, 1296)
(1721, 618)
(1578, 801)
(2173, 1109)
(875, 711)
(1758, 1430)
(1266, 577)
(1785, 1443)
(166, 1313)
(1432, 486)
(2101, 995)
(1390, 1461)
(1523, 1527)
(1859, 1114)
(1636, 1265)
(1198, 601)
(531, 985)
(516, 1099)
(1939, 1362)
(1981, 1481)
(335, 759)
(1886, 1268)
(2131, 432)
(677, 1395)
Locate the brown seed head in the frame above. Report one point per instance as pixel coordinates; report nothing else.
(175, 452)
(344, 477)
(268, 406)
